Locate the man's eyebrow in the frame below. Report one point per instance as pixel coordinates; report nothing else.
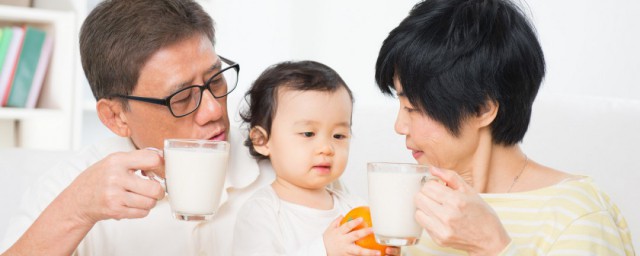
(183, 84)
(215, 66)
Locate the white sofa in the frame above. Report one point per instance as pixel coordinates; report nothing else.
(593, 136)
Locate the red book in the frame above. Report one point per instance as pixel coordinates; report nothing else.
(10, 63)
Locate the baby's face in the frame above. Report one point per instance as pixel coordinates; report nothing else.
(309, 141)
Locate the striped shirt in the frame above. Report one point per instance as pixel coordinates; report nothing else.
(570, 218)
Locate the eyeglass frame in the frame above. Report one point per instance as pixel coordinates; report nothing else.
(167, 100)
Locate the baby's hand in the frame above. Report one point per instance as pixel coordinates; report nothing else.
(340, 240)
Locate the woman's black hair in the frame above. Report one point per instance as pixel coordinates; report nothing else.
(453, 56)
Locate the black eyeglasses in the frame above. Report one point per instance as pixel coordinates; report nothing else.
(187, 100)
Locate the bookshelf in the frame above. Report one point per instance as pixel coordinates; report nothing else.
(52, 124)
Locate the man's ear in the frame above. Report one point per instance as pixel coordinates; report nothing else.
(111, 114)
(260, 139)
(488, 113)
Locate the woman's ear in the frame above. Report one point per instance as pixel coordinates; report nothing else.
(111, 114)
(259, 139)
(488, 113)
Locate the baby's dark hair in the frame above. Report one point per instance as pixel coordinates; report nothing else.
(293, 75)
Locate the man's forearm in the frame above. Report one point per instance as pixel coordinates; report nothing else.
(57, 231)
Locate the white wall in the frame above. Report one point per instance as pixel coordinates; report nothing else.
(345, 35)
(589, 45)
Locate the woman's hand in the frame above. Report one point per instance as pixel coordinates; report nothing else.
(455, 216)
(393, 251)
(340, 240)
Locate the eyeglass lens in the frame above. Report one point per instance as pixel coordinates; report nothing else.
(188, 100)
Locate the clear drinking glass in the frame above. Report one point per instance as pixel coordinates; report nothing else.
(392, 187)
(195, 172)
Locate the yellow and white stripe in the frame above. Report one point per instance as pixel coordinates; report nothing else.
(570, 218)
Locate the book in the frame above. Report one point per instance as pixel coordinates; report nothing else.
(5, 39)
(11, 59)
(41, 70)
(26, 67)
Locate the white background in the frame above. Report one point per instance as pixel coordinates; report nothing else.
(590, 46)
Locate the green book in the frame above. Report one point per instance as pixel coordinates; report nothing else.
(26, 68)
(5, 41)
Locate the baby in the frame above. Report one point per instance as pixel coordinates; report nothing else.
(299, 117)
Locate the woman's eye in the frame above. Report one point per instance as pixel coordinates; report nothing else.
(308, 134)
(409, 110)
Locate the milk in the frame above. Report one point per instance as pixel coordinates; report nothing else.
(195, 179)
(391, 195)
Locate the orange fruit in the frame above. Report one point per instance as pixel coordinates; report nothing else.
(368, 241)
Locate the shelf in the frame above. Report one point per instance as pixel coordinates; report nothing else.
(51, 124)
(25, 114)
(30, 15)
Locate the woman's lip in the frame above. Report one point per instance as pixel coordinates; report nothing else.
(416, 154)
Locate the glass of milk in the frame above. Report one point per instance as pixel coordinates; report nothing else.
(392, 187)
(195, 172)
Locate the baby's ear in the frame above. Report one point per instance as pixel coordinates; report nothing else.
(259, 139)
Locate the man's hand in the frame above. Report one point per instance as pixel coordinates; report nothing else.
(109, 189)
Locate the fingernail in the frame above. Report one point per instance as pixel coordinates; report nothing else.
(155, 150)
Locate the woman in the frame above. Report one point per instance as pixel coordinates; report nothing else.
(466, 73)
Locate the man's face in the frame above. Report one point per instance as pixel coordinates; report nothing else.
(189, 62)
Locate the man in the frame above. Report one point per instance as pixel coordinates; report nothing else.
(142, 58)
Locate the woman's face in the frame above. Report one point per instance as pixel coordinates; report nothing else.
(430, 141)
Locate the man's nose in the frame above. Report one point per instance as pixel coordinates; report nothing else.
(210, 108)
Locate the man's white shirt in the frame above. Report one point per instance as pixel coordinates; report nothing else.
(158, 233)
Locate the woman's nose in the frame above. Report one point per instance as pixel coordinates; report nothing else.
(400, 126)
